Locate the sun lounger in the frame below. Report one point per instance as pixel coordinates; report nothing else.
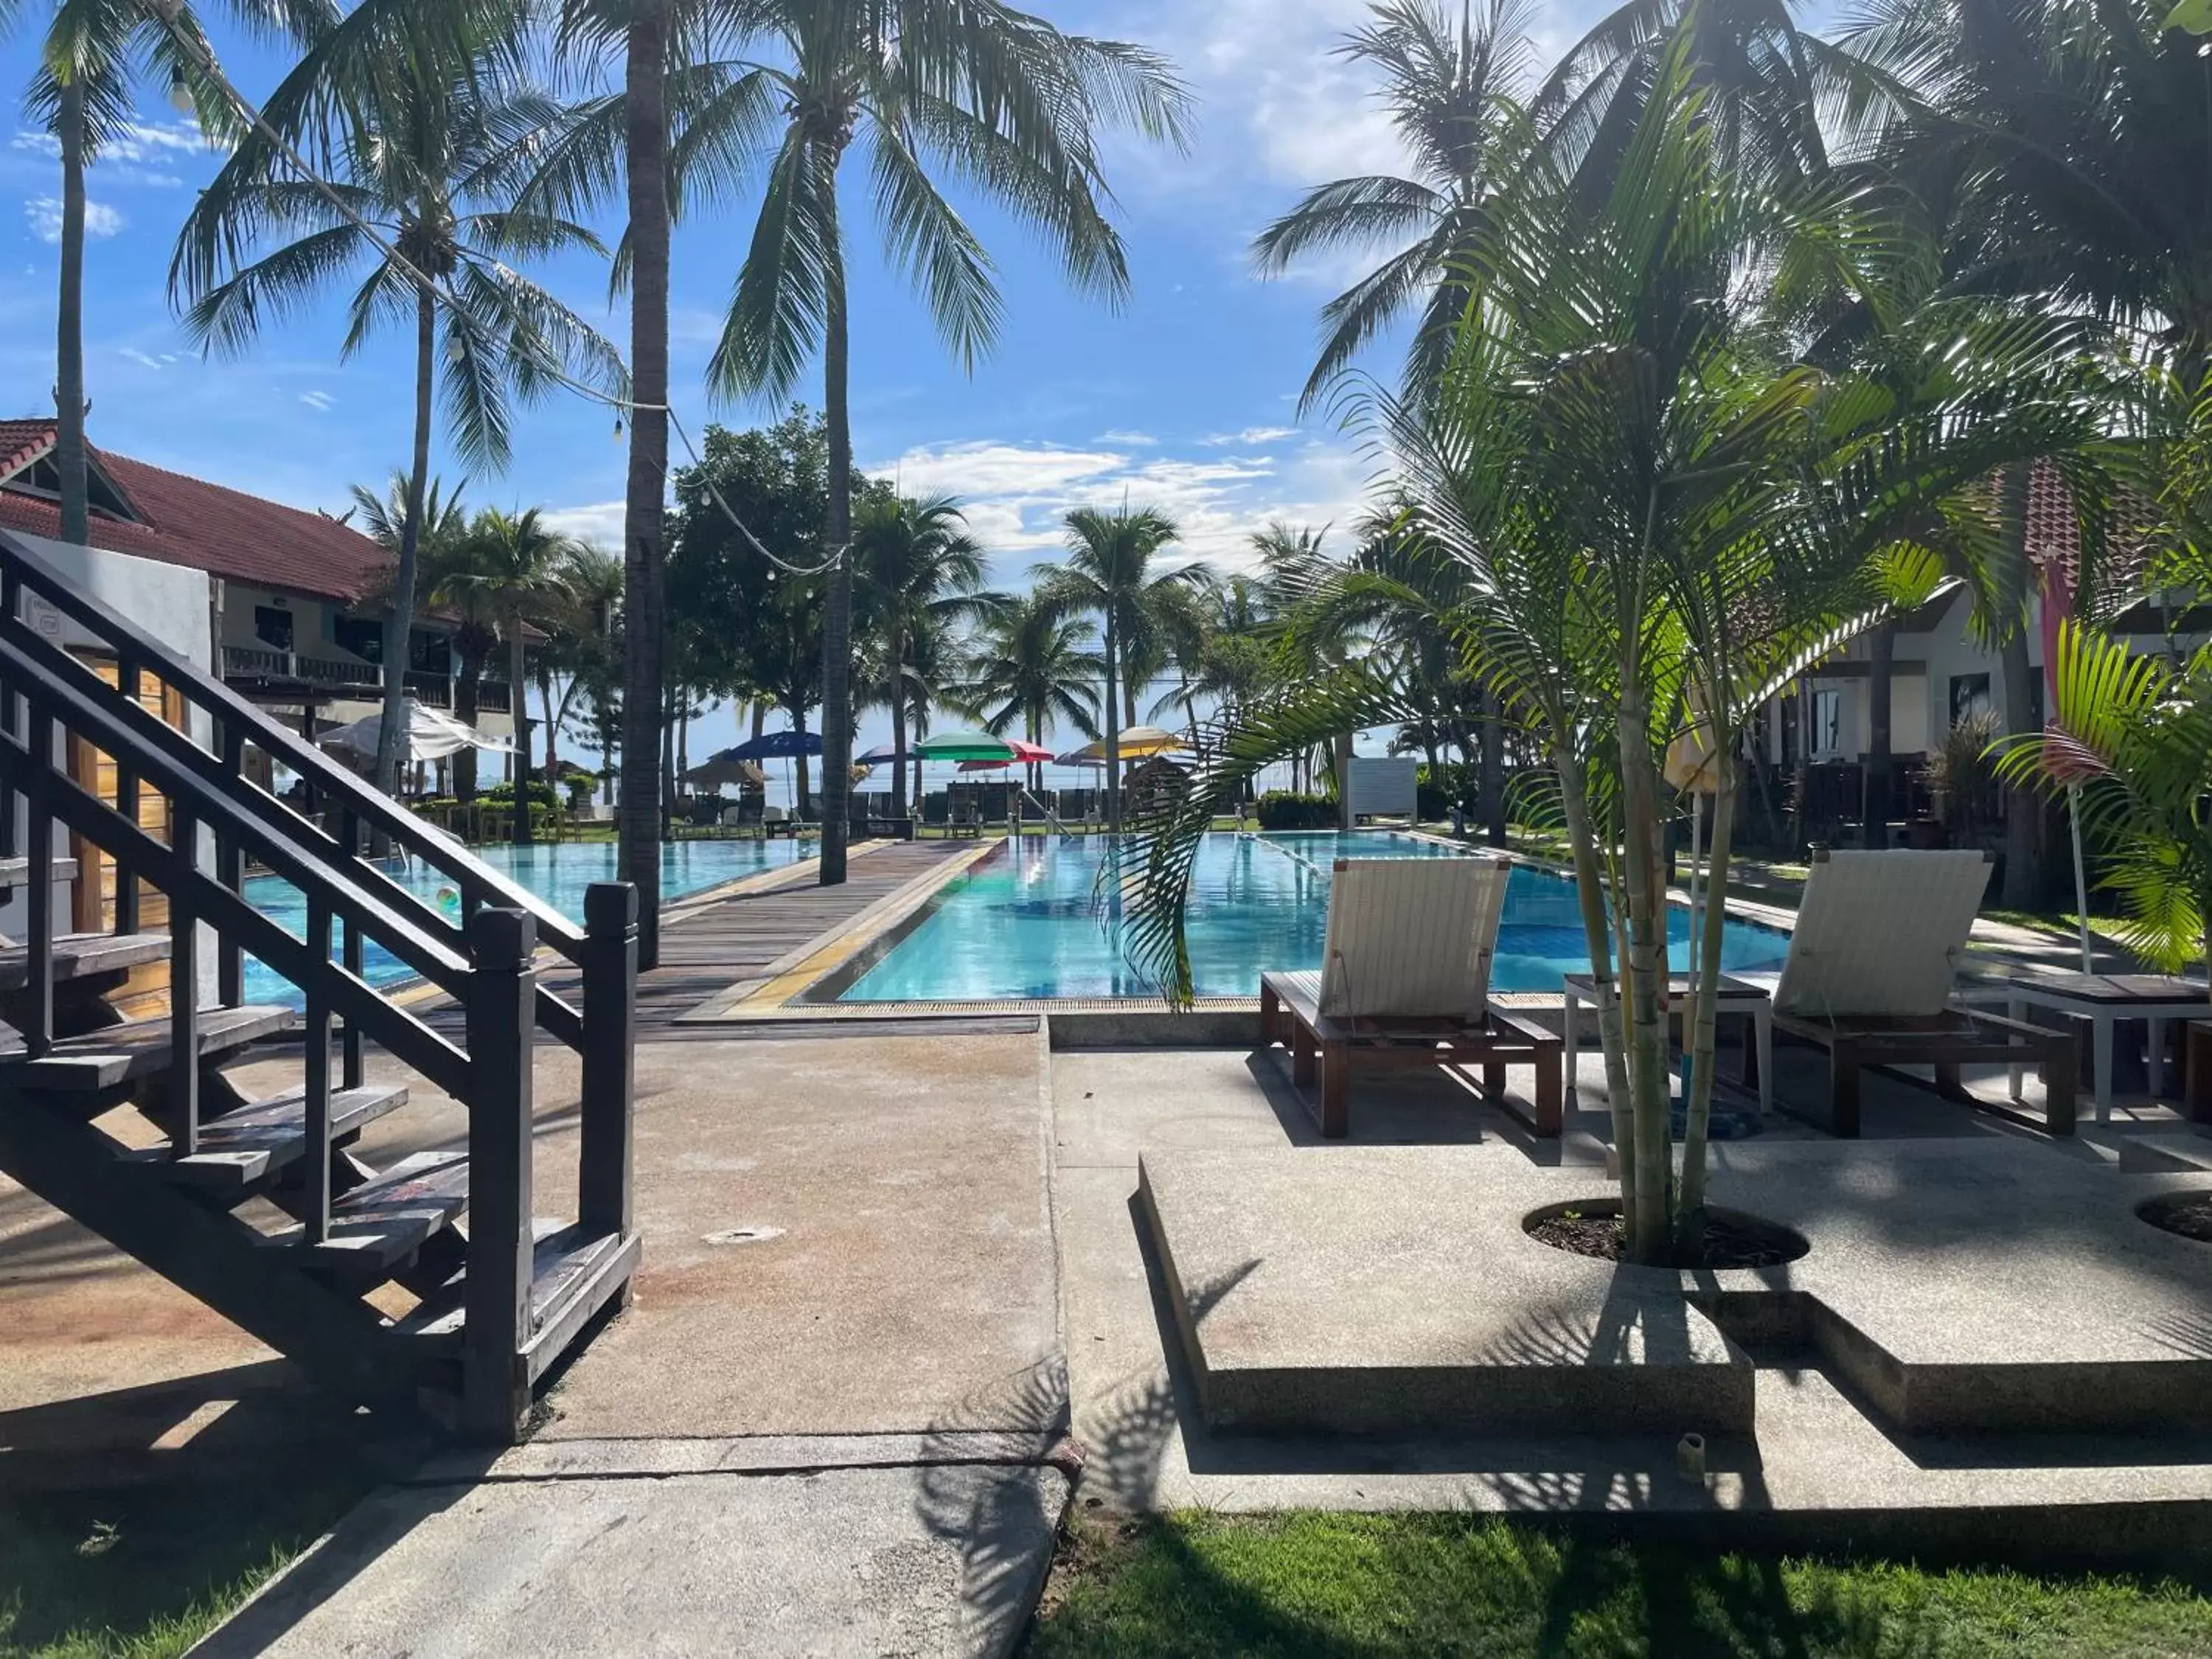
(1872, 965)
(1405, 981)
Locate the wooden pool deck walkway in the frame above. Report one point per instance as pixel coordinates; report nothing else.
(741, 938)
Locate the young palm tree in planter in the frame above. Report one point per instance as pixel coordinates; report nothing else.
(1655, 524)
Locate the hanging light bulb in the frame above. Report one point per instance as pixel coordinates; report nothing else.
(180, 95)
(454, 349)
(618, 428)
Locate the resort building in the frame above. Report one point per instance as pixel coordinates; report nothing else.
(288, 606)
(1943, 672)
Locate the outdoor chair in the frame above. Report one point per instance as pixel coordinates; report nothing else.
(1872, 965)
(1405, 981)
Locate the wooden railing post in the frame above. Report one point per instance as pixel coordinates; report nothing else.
(126, 802)
(603, 1177)
(11, 712)
(356, 1065)
(230, 871)
(316, 1202)
(37, 1023)
(183, 986)
(502, 1034)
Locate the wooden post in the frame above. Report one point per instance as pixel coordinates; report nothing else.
(603, 1179)
(501, 996)
(230, 871)
(183, 986)
(127, 682)
(38, 1022)
(356, 1069)
(317, 1201)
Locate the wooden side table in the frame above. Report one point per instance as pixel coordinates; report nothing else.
(1736, 996)
(2103, 1000)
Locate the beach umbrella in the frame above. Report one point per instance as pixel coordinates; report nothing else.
(965, 746)
(773, 745)
(882, 755)
(1137, 743)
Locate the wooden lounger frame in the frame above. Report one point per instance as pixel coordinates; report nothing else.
(1289, 1012)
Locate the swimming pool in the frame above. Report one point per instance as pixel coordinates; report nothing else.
(1023, 924)
(559, 873)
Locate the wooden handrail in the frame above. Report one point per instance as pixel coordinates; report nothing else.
(46, 685)
(133, 646)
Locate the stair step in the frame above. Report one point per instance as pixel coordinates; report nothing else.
(81, 956)
(382, 1222)
(240, 1148)
(104, 1059)
(14, 870)
(571, 1273)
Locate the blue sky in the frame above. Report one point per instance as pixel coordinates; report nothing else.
(1184, 399)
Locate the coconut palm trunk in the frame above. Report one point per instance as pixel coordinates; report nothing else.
(69, 328)
(895, 692)
(1113, 735)
(517, 703)
(392, 735)
(1881, 679)
(837, 537)
(646, 114)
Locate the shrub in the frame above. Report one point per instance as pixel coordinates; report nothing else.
(502, 794)
(1282, 809)
(580, 785)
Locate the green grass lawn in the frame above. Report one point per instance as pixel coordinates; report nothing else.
(1375, 1587)
(144, 1573)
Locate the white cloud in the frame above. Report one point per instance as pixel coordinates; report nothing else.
(1015, 494)
(153, 359)
(45, 215)
(317, 401)
(599, 522)
(1250, 436)
(1130, 439)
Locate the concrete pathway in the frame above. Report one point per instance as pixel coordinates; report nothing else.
(833, 1421)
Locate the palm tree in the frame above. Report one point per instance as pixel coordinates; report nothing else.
(2060, 133)
(2130, 736)
(999, 99)
(517, 571)
(1031, 665)
(446, 550)
(1450, 85)
(427, 153)
(1653, 523)
(1109, 574)
(584, 653)
(913, 563)
(83, 95)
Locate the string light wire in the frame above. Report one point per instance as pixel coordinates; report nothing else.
(168, 15)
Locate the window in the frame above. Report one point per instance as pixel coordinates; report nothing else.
(363, 638)
(273, 626)
(1827, 722)
(1970, 696)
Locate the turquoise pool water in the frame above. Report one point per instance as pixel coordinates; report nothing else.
(558, 874)
(1024, 924)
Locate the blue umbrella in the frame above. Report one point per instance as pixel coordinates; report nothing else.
(774, 745)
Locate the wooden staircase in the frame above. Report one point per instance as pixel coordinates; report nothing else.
(429, 1281)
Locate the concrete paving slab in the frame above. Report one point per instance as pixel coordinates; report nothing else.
(1822, 1471)
(1373, 1289)
(944, 1561)
(849, 1237)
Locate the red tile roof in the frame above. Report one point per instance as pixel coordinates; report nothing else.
(202, 526)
